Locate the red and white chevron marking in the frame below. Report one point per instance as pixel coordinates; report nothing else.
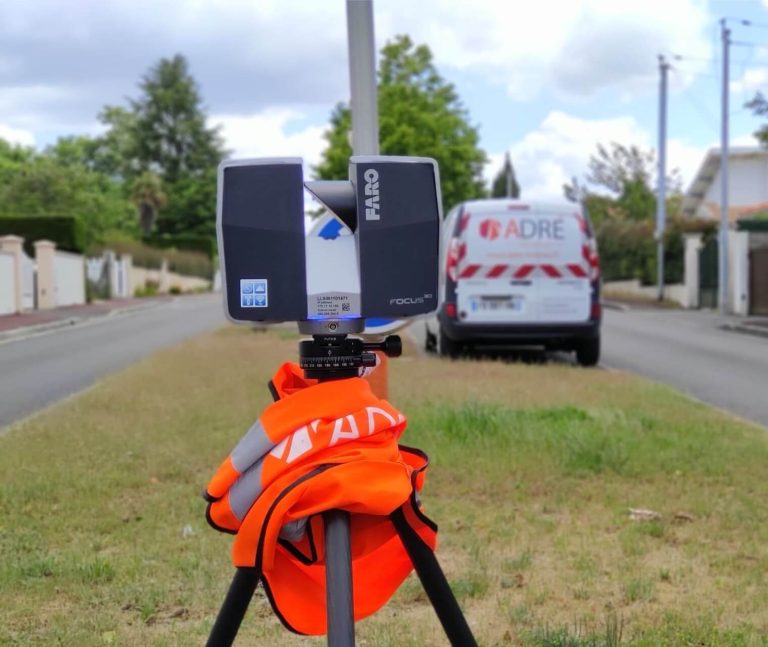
(458, 269)
(527, 271)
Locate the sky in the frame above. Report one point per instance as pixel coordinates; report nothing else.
(546, 80)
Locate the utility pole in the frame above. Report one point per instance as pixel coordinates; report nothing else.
(362, 77)
(724, 154)
(661, 200)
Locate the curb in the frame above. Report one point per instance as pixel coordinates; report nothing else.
(51, 326)
(745, 329)
(39, 328)
(615, 305)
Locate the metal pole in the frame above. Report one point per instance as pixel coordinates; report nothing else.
(338, 580)
(362, 77)
(723, 255)
(661, 205)
(365, 141)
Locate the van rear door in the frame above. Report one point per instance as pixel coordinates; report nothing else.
(523, 265)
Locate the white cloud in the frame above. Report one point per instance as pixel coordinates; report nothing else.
(752, 80)
(574, 47)
(559, 149)
(17, 135)
(269, 134)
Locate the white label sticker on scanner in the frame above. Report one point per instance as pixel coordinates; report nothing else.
(253, 293)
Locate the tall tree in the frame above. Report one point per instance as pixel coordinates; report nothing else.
(419, 114)
(164, 131)
(505, 183)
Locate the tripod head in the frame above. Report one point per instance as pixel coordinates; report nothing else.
(332, 355)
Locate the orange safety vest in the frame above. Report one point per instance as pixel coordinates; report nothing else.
(320, 446)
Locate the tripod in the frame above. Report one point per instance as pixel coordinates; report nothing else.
(332, 355)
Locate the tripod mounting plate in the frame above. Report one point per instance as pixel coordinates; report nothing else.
(337, 356)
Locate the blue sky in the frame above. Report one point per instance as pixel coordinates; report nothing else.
(545, 80)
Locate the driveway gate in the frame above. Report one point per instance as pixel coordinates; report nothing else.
(758, 281)
(708, 274)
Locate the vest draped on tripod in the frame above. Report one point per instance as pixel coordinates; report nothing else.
(319, 447)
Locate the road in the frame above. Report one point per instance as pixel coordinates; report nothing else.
(38, 370)
(687, 350)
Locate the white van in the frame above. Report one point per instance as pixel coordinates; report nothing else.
(518, 273)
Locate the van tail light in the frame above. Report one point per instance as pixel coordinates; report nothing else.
(450, 310)
(456, 251)
(591, 258)
(596, 311)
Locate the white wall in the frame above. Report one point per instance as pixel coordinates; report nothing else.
(7, 284)
(27, 282)
(69, 270)
(747, 182)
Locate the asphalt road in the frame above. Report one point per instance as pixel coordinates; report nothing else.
(38, 370)
(687, 350)
(684, 349)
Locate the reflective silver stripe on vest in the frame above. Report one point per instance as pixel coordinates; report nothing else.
(245, 490)
(251, 447)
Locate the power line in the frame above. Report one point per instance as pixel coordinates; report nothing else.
(703, 110)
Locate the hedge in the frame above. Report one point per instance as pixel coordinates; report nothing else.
(183, 242)
(628, 249)
(68, 232)
(753, 224)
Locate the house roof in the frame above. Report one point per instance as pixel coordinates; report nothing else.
(707, 172)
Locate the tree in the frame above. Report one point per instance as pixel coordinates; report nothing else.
(623, 186)
(505, 183)
(45, 185)
(419, 114)
(148, 195)
(164, 132)
(759, 107)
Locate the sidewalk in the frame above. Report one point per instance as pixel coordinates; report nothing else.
(42, 320)
(750, 325)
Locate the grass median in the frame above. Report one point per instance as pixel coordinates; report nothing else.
(534, 469)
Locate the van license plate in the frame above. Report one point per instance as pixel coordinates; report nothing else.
(506, 303)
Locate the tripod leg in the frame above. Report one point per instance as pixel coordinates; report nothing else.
(338, 579)
(435, 585)
(234, 607)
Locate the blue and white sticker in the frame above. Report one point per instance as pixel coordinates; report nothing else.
(254, 293)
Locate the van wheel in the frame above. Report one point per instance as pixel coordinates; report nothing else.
(588, 352)
(430, 341)
(448, 347)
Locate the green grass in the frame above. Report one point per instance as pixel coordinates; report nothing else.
(533, 468)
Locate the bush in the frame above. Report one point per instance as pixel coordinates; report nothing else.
(628, 248)
(68, 232)
(149, 289)
(187, 263)
(183, 242)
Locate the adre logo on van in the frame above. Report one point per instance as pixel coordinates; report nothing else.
(524, 228)
(490, 228)
(371, 177)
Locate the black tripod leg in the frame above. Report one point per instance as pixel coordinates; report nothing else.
(435, 585)
(234, 607)
(338, 579)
